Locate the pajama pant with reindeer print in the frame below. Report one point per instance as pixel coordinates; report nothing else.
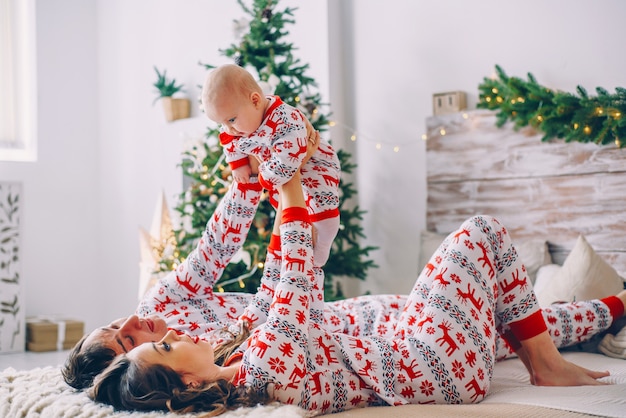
(441, 348)
(281, 144)
(186, 300)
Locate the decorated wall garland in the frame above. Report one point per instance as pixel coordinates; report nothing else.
(583, 118)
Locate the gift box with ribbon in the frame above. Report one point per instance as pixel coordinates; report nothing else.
(44, 333)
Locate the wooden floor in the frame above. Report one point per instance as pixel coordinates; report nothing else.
(30, 360)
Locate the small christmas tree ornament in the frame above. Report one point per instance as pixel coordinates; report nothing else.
(266, 15)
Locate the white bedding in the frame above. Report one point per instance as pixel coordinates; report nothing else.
(510, 385)
(42, 393)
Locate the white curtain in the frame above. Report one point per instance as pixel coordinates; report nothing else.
(18, 81)
(7, 83)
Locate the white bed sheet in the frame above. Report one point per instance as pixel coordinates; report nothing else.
(42, 393)
(511, 385)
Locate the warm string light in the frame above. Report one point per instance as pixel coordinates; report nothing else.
(219, 165)
(378, 144)
(241, 279)
(441, 130)
(598, 119)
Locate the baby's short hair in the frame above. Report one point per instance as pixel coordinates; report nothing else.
(228, 79)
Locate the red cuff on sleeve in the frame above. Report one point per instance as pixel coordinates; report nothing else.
(249, 186)
(615, 306)
(295, 214)
(529, 327)
(225, 138)
(239, 163)
(327, 214)
(274, 243)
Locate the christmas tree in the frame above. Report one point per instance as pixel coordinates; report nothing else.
(263, 50)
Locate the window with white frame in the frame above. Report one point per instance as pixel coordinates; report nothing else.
(18, 90)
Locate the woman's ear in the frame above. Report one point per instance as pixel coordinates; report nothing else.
(191, 381)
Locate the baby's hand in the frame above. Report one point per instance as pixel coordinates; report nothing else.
(242, 174)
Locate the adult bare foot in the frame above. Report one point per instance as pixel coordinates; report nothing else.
(549, 368)
(566, 373)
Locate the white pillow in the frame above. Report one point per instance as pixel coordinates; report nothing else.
(430, 241)
(583, 276)
(545, 274)
(534, 252)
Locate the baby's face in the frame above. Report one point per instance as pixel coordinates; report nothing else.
(240, 116)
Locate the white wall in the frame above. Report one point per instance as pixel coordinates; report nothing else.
(59, 242)
(406, 50)
(106, 152)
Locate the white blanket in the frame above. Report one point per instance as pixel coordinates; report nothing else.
(42, 393)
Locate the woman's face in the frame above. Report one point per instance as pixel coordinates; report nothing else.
(192, 358)
(124, 334)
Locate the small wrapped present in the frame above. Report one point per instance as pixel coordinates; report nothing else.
(44, 333)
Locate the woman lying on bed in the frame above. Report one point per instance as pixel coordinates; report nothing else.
(442, 349)
(183, 301)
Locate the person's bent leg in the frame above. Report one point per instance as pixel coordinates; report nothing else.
(571, 323)
(256, 312)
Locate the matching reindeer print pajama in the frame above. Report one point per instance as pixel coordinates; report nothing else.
(442, 347)
(281, 144)
(438, 344)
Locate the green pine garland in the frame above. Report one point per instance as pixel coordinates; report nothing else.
(263, 50)
(582, 118)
